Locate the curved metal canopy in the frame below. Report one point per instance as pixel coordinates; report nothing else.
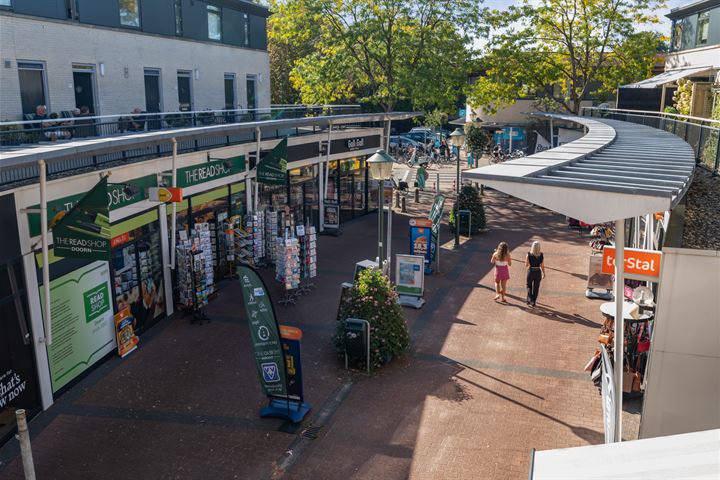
(617, 170)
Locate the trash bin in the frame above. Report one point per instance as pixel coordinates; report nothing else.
(357, 341)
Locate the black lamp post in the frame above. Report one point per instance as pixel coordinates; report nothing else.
(457, 138)
(380, 165)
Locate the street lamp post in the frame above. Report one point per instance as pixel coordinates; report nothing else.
(380, 165)
(457, 138)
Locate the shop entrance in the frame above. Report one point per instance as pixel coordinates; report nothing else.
(304, 195)
(137, 272)
(212, 208)
(18, 380)
(84, 84)
(353, 191)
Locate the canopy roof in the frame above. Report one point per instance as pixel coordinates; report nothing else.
(668, 77)
(690, 456)
(617, 170)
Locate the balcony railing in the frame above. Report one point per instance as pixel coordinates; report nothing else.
(702, 134)
(26, 133)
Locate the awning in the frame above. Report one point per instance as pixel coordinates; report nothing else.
(668, 77)
(617, 170)
(690, 456)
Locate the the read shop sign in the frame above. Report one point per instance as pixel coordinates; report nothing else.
(639, 264)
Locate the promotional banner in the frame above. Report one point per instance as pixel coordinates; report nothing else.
(332, 214)
(421, 242)
(290, 338)
(436, 213)
(84, 231)
(541, 144)
(608, 395)
(596, 277)
(409, 274)
(126, 339)
(272, 169)
(82, 321)
(264, 333)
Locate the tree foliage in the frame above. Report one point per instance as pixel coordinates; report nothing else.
(435, 119)
(563, 50)
(378, 51)
(476, 139)
(469, 199)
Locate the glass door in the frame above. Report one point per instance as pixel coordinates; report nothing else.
(84, 83)
(152, 96)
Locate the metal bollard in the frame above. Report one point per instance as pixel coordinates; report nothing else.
(403, 208)
(417, 195)
(23, 437)
(397, 198)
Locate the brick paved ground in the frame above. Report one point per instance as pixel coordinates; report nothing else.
(483, 384)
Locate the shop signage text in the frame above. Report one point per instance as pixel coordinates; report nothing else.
(645, 263)
(11, 387)
(206, 172)
(272, 169)
(355, 143)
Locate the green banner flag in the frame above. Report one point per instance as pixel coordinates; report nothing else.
(84, 231)
(436, 211)
(272, 169)
(264, 333)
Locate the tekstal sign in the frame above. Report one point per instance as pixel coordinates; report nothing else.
(639, 264)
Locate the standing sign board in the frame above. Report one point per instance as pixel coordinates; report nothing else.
(421, 240)
(608, 395)
(331, 219)
(290, 338)
(82, 321)
(84, 231)
(409, 275)
(639, 264)
(125, 333)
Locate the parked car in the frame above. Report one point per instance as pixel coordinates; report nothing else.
(403, 142)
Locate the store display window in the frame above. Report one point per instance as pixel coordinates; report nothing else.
(352, 181)
(238, 199)
(273, 197)
(304, 194)
(137, 270)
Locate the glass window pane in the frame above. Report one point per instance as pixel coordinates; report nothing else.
(129, 13)
(214, 24)
(178, 18)
(703, 28)
(5, 3)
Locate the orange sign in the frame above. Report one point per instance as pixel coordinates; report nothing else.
(165, 194)
(291, 333)
(119, 240)
(637, 262)
(125, 333)
(421, 222)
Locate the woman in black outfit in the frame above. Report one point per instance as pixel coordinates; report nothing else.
(535, 266)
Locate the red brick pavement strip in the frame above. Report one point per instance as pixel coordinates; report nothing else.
(484, 383)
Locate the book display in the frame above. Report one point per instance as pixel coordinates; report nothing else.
(195, 274)
(287, 266)
(255, 227)
(240, 242)
(308, 251)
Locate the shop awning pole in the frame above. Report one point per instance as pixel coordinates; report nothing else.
(45, 247)
(173, 222)
(619, 346)
(552, 135)
(258, 135)
(389, 132)
(325, 172)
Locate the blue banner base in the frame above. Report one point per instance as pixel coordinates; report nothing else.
(278, 408)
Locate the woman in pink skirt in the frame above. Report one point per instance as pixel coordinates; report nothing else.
(502, 261)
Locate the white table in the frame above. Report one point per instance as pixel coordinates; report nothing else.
(608, 309)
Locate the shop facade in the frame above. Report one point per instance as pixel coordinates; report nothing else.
(218, 189)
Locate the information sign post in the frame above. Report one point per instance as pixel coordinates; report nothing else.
(410, 280)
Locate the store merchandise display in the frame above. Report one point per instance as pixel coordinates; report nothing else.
(255, 227)
(287, 263)
(308, 252)
(240, 241)
(271, 235)
(195, 274)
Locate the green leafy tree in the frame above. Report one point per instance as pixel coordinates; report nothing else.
(564, 50)
(435, 119)
(683, 96)
(373, 298)
(476, 139)
(379, 52)
(469, 199)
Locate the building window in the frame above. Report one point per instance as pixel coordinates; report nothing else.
(5, 3)
(703, 28)
(246, 30)
(214, 23)
(184, 90)
(178, 18)
(130, 13)
(32, 86)
(677, 35)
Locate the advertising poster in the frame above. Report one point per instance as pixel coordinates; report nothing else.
(332, 214)
(273, 168)
(82, 322)
(409, 274)
(84, 231)
(421, 242)
(596, 277)
(126, 339)
(290, 338)
(264, 333)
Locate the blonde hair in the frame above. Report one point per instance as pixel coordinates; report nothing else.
(535, 250)
(502, 251)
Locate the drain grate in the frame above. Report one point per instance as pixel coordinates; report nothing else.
(311, 432)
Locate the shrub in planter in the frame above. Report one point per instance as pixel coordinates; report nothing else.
(469, 199)
(372, 298)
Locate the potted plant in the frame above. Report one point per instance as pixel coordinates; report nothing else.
(373, 298)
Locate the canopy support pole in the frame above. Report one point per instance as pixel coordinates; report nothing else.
(619, 347)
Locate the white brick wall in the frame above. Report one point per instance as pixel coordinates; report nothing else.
(60, 44)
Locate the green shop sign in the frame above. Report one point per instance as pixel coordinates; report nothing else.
(205, 172)
(273, 168)
(97, 302)
(118, 196)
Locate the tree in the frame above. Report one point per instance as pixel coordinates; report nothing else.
(469, 199)
(476, 139)
(435, 119)
(379, 52)
(564, 50)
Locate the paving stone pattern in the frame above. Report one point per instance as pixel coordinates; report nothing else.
(482, 385)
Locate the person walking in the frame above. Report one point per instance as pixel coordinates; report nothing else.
(502, 261)
(535, 266)
(421, 177)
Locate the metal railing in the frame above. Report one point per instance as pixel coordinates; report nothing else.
(66, 126)
(702, 134)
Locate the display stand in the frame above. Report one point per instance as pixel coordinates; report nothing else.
(287, 268)
(599, 284)
(307, 237)
(271, 235)
(195, 271)
(255, 227)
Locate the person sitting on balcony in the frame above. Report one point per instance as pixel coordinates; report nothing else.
(42, 117)
(137, 121)
(54, 130)
(84, 126)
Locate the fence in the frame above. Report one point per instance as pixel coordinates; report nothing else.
(702, 134)
(67, 126)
